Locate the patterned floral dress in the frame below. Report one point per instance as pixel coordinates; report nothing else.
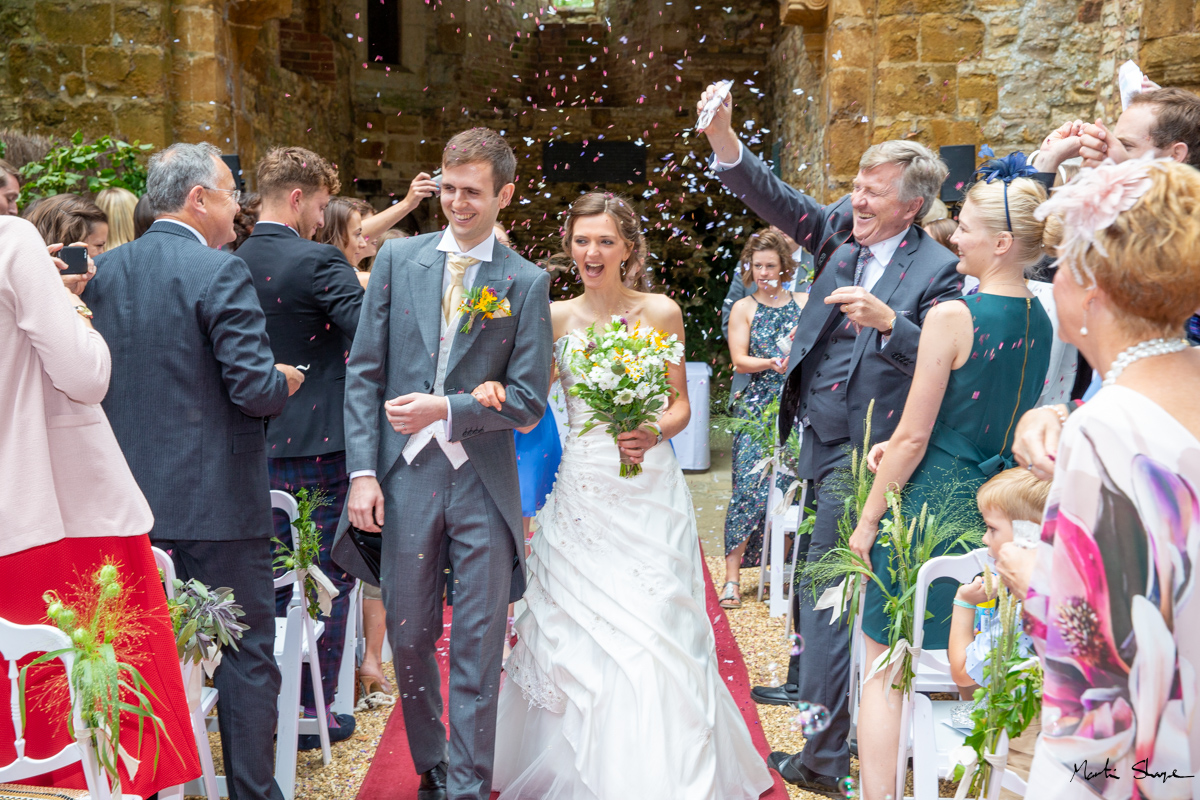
(1112, 609)
(748, 505)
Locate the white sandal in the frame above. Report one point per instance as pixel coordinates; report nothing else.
(731, 598)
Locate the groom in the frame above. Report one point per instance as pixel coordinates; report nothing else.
(434, 468)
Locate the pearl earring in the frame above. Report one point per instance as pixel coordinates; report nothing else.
(1083, 331)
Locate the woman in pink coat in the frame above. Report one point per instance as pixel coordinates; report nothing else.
(69, 504)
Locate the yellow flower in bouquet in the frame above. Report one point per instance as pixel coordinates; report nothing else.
(623, 375)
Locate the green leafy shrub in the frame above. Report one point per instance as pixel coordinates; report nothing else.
(90, 168)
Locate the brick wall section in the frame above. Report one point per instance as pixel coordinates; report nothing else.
(306, 52)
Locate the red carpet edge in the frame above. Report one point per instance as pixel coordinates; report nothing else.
(392, 776)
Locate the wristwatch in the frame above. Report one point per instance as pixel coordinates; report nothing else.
(83, 311)
(891, 326)
(657, 431)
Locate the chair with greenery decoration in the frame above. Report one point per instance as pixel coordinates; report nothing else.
(934, 743)
(296, 637)
(209, 785)
(17, 642)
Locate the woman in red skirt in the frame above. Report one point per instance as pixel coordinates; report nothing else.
(68, 505)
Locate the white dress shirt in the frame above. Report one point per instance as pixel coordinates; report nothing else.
(195, 232)
(882, 254)
(441, 429)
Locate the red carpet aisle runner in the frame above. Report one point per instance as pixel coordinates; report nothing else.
(393, 777)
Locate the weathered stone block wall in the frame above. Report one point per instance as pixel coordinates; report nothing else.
(161, 71)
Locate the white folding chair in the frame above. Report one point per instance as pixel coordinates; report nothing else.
(343, 699)
(931, 741)
(17, 642)
(778, 525)
(296, 638)
(209, 783)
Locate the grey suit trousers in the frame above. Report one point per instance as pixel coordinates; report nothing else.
(822, 671)
(248, 679)
(455, 525)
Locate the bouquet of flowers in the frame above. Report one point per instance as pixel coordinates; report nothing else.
(622, 375)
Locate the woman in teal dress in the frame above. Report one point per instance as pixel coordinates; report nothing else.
(760, 329)
(981, 364)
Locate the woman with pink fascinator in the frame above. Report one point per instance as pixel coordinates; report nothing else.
(1110, 588)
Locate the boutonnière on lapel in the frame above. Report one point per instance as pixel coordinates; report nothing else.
(481, 301)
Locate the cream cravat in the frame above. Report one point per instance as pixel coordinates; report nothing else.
(458, 266)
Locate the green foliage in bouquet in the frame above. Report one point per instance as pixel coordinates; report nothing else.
(307, 538)
(1011, 696)
(101, 624)
(622, 375)
(90, 168)
(204, 620)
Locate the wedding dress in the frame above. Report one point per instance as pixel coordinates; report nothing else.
(612, 691)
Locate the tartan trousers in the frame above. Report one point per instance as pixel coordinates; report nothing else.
(327, 472)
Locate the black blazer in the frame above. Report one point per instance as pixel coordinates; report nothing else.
(192, 379)
(312, 299)
(921, 273)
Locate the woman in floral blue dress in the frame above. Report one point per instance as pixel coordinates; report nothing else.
(761, 327)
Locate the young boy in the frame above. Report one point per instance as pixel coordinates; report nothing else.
(1012, 499)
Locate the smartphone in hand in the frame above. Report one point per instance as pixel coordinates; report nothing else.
(76, 259)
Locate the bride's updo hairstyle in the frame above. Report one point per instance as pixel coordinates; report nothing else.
(1024, 197)
(623, 215)
(1145, 258)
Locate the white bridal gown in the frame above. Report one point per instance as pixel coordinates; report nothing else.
(612, 691)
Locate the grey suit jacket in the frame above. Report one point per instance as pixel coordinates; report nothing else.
(193, 378)
(921, 273)
(395, 353)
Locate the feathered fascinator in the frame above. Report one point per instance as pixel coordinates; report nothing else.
(1006, 170)
(1091, 202)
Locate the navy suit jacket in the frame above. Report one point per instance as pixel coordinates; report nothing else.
(312, 299)
(921, 273)
(192, 379)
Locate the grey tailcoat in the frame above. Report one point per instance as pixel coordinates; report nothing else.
(395, 353)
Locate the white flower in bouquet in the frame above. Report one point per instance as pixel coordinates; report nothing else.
(623, 375)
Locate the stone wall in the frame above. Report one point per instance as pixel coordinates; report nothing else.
(169, 70)
(996, 72)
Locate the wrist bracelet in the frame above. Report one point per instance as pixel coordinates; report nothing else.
(1062, 415)
(964, 604)
(657, 432)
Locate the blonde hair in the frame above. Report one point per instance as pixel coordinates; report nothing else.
(1024, 195)
(775, 243)
(1016, 494)
(118, 204)
(1151, 269)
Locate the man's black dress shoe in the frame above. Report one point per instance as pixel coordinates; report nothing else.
(786, 695)
(795, 773)
(433, 783)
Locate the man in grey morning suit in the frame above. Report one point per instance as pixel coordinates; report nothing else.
(192, 381)
(877, 277)
(446, 464)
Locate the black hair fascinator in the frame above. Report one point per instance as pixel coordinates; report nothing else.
(1006, 170)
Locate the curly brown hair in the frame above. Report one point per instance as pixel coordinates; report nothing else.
(286, 168)
(767, 240)
(623, 215)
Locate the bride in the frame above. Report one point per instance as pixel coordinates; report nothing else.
(613, 689)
